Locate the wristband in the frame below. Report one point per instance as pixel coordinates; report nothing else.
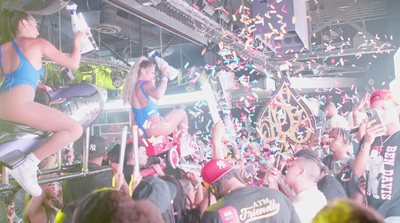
(364, 149)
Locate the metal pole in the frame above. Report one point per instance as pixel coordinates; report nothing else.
(4, 175)
(135, 149)
(122, 151)
(59, 158)
(8, 186)
(85, 151)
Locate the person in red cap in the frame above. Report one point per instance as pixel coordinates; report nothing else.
(381, 140)
(238, 202)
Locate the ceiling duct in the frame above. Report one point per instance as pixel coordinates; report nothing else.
(165, 16)
(108, 24)
(45, 7)
(123, 25)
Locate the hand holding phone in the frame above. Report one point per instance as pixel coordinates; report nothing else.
(374, 114)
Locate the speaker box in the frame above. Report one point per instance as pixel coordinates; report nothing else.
(281, 25)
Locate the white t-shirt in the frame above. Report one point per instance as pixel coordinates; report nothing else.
(308, 203)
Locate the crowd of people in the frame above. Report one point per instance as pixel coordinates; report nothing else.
(240, 180)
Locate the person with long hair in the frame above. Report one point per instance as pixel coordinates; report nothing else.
(21, 53)
(142, 94)
(42, 208)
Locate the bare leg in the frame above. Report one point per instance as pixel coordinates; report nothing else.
(176, 119)
(181, 116)
(44, 118)
(17, 106)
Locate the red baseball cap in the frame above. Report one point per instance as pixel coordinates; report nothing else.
(383, 94)
(214, 170)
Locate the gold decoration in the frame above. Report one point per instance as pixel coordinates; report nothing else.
(285, 118)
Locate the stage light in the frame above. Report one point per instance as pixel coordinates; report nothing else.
(67, 74)
(336, 31)
(332, 32)
(117, 81)
(326, 34)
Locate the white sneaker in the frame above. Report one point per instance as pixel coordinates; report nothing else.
(26, 175)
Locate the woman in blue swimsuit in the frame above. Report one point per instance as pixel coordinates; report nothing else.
(142, 94)
(21, 55)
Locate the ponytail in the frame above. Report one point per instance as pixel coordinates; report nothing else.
(9, 23)
(5, 32)
(132, 78)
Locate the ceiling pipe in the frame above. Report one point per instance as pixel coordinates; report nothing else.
(126, 27)
(45, 7)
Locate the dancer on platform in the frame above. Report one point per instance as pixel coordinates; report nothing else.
(141, 92)
(21, 55)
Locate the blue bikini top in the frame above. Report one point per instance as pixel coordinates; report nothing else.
(24, 74)
(149, 110)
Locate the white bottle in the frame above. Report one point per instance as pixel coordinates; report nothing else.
(79, 24)
(171, 71)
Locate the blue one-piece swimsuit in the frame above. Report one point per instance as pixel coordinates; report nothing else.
(143, 114)
(24, 74)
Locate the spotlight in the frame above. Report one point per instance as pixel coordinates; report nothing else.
(67, 74)
(336, 31)
(332, 32)
(326, 34)
(117, 81)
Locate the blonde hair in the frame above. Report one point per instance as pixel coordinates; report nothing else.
(132, 77)
(347, 210)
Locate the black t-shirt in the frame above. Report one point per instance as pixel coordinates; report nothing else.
(128, 170)
(343, 172)
(331, 188)
(252, 204)
(383, 176)
(75, 189)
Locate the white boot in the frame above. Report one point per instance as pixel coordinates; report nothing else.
(26, 175)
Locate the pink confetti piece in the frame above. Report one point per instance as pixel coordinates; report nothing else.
(196, 7)
(283, 9)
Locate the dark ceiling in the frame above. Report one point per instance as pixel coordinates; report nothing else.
(353, 39)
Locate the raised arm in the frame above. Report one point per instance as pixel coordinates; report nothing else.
(371, 132)
(218, 132)
(159, 91)
(35, 210)
(70, 61)
(358, 111)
